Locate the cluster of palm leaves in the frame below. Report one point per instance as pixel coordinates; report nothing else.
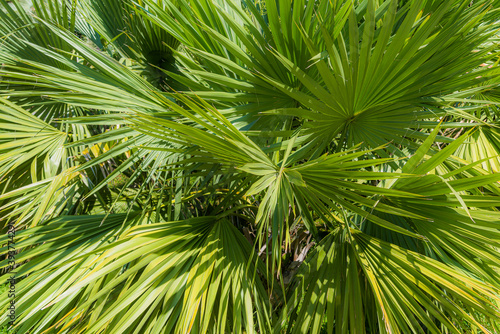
(227, 166)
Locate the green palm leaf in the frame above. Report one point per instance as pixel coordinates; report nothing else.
(223, 166)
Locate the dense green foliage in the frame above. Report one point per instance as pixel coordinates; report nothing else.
(279, 166)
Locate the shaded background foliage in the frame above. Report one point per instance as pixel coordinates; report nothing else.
(216, 166)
